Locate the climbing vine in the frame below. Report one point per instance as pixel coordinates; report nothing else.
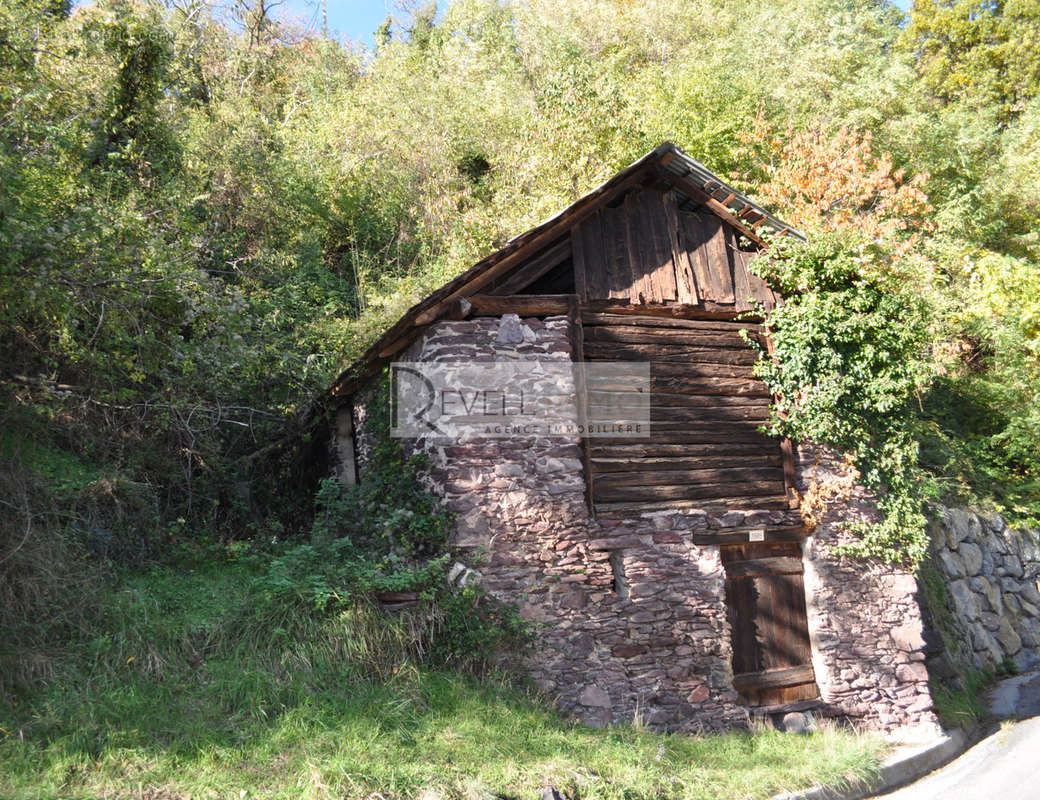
(850, 355)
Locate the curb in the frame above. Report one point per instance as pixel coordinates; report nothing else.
(895, 773)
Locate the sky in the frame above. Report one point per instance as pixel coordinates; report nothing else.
(358, 19)
(354, 19)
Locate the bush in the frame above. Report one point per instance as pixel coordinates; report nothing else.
(850, 356)
(389, 534)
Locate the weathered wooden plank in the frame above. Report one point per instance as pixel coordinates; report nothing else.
(665, 369)
(765, 629)
(602, 396)
(591, 318)
(741, 284)
(740, 609)
(705, 491)
(777, 565)
(693, 387)
(579, 259)
(526, 274)
(639, 288)
(646, 335)
(619, 272)
(626, 453)
(667, 419)
(757, 415)
(801, 644)
(746, 473)
(774, 678)
(526, 305)
(659, 247)
(595, 258)
(705, 310)
(685, 282)
(604, 465)
(763, 503)
(618, 351)
(720, 268)
(785, 633)
(691, 433)
(696, 230)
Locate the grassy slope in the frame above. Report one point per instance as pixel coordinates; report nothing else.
(182, 697)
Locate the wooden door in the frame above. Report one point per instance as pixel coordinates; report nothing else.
(765, 601)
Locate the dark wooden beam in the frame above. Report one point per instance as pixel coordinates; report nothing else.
(774, 678)
(778, 565)
(791, 533)
(526, 305)
(705, 310)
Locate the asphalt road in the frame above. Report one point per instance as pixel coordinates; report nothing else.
(1003, 766)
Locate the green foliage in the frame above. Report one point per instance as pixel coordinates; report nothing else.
(390, 534)
(978, 51)
(850, 357)
(960, 706)
(174, 695)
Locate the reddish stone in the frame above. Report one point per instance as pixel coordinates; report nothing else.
(628, 650)
(699, 695)
(667, 537)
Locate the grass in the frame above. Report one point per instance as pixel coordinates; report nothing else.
(182, 696)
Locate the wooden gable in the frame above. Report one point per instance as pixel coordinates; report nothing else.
(643, 249)
(663, 236)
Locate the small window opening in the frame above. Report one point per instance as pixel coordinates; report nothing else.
(617, 567)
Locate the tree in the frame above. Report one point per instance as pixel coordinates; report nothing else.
(980, 52)
(833, 181)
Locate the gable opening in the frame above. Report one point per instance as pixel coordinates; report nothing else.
(558, 280)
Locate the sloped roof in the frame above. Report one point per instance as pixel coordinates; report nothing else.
(694, 184)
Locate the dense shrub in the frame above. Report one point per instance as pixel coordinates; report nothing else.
(850, 356)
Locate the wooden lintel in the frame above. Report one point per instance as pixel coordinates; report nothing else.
(774, 678)
(526, 305)
(793, 533)
(757, 567)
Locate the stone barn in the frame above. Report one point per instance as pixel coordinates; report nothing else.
(669, 567)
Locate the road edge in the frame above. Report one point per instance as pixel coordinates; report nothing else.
(898, 772)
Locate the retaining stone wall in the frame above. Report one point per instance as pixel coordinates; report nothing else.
(632, 612)
(992, 590)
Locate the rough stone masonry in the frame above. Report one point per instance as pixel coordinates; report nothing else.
(632, 612)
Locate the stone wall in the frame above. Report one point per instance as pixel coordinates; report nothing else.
(992, 595)
(632, 612)
(865, 621)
